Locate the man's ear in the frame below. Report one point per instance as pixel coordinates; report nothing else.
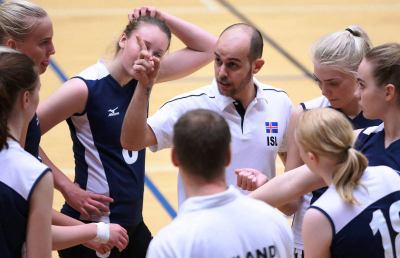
(174, 157)
(257, 65)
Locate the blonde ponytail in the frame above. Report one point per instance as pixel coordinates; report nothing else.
(348, 174)
(327, 132)
(344, 49)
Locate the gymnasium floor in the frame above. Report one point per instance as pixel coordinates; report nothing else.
(86, 31)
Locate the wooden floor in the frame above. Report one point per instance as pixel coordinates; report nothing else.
(86, 31)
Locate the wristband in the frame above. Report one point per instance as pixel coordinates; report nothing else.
(103, 233)
(105, 255)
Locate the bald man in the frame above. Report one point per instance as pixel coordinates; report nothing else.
(257, 114)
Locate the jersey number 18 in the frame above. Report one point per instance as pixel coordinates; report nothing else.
(379, 223)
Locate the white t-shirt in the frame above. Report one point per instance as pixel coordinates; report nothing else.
(319, 102)
(227, 224)
(255, 142)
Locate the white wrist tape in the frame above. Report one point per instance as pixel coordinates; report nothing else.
(105, 255)
(103, 233)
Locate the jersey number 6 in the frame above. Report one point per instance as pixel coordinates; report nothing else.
(130, 157)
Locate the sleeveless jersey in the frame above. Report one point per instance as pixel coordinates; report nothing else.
(19, 174)
(33, 136)
(371, 142)
(357, 122)
(371, 227)
(101, 165)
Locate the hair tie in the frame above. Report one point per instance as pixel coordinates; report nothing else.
(348, 148)
(352, 32)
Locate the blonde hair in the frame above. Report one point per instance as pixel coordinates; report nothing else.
(343, 50)
(327, 132)
(18, 18)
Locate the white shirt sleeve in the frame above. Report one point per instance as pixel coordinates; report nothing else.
(288, 113)
(162, 123)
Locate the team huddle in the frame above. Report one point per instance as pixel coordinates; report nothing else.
(341, 151)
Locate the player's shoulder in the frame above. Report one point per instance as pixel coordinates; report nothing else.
(318, 102)
(20, 169)
(96, 71)
(372, 129)
(202, 94)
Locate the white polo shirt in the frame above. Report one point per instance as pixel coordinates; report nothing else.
(226, 224)
(254, 146)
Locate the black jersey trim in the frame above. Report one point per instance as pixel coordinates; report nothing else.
(188, 96)
(84, 81)
(327, 216)
(37, 181)
(282, 91)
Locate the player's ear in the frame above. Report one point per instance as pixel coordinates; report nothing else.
(122, 40)
(174, 157)
(11, 43)
(312, 156)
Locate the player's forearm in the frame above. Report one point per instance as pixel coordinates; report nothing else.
(134, 127)
(64, 237)
(60, 219)
(290, 208)
(190, 34)
(288, 187)
(61, 181)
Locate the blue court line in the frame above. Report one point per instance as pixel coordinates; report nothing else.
(57, 70)
(152, 187)
(160, 197)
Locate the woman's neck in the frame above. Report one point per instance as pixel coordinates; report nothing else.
(392, 126)
(16, 128)
(326, 168)
(352, 109)
(118, 72)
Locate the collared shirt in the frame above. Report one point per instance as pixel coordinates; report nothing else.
(255, 141)
(227, 224)
(101, 164)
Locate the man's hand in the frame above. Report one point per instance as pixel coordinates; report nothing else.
(250, 179)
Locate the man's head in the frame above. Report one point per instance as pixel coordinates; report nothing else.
(201, 144)
(237, 57)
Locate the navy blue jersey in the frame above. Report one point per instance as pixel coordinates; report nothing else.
(33, 136)
(371, 227)
(19, 174)
(358, 122)
(101, 165)
(371, 142)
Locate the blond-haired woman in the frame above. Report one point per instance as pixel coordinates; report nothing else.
(358, 216)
